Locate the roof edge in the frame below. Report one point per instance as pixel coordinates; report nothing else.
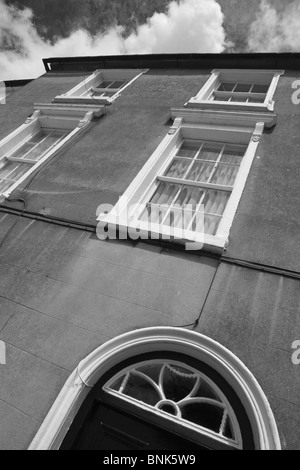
(286, 60)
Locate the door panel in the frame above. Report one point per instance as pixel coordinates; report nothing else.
(108, 428)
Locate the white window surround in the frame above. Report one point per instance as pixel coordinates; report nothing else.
(82, 93)
(239, 128)
(69, 119)
(178, 340)
(258, 77)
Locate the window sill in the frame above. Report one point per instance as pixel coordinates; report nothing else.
(227, 106)
(84, 101)
(111, 227)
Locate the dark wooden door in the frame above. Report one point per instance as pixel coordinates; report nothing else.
(108, 428)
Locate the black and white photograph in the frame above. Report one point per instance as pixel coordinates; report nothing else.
(149, 228)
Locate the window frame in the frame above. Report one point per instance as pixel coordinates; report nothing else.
(71, 119)
(241, 129)
(75, 95)
(202, 99)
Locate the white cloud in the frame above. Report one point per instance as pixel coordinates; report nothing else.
(190, 26)
(276, 31)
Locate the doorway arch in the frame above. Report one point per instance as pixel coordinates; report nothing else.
(183, 351)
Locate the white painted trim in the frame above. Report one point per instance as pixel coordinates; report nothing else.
(269, 98)
(69, 110)
(75, 94)
(201, 100)
(225, 118)
(241, 179)
(18, 136)
(164, 148)
(254, 71)
(128, 345)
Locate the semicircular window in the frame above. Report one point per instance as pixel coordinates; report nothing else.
(179, 392)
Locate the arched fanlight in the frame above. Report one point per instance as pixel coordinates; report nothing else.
(181, 393)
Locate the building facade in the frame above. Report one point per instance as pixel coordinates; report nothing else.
(149, 254)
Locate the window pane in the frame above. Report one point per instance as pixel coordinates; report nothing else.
(21, 151)
(226, 86)
(19, 171)
(152, 370)
(237, 99)
(177, 386)
(260, 89)
(189, 196)
(215, 202)
(188, 200)
(117, 385)
(228, 432)
(221, 98)
(105, 84)
(165, 194)
(243, 88)
(233, 154)
(140, 389)
(118, 84)
(37, 152)
(38, 145)
(205, 415)
(178, 168)
(37, 137)
(14, 170)
(179, 218)
(100, 94)
(211, 224)
(208, 224)
(4, 185)
(225, 175)
(210, 151)
(200, 171)
(256, 100)
(188, 150)
(206, 391)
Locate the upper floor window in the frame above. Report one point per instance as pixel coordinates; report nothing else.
(22, 158)
(103, 87)
(49, 128)
(200, 176)
(240, 92)
(189, 189)
(238, 89)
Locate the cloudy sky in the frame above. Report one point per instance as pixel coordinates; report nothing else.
(34, 29)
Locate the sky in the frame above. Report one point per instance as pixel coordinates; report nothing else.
(198, 26)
